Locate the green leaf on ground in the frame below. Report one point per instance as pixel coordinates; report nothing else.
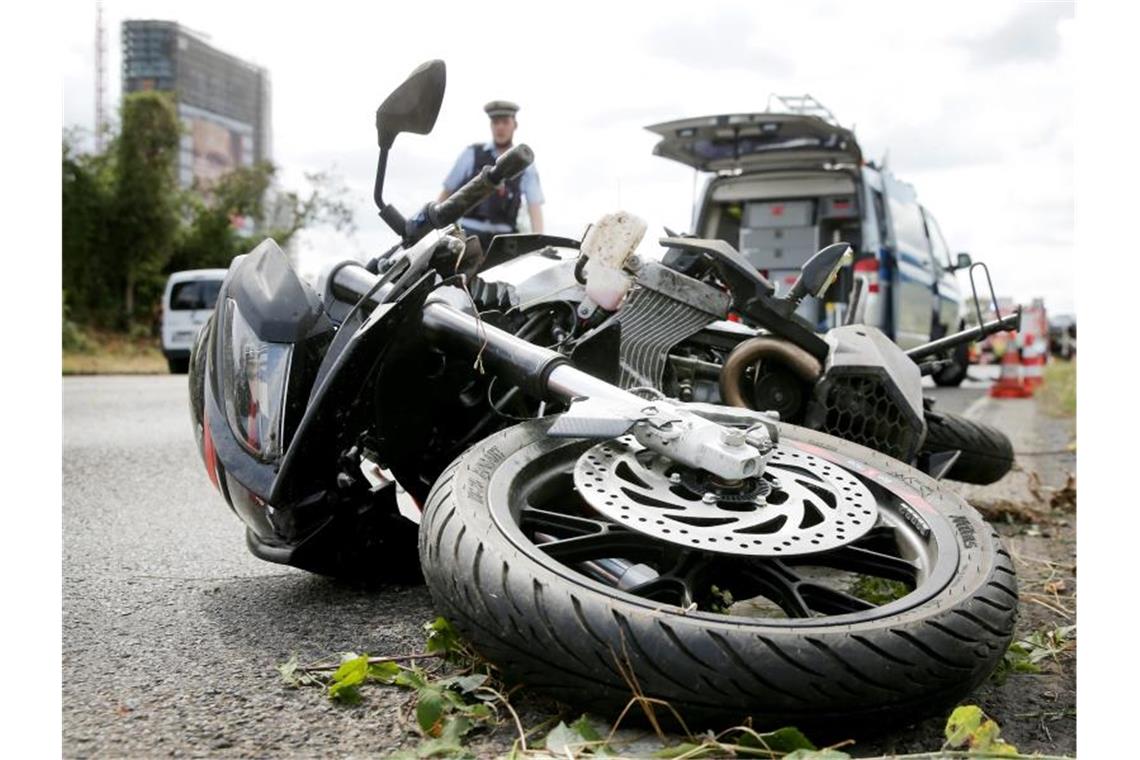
(969, 728)
(384, 672)
(466, 684)
(292, 674)
(579, 737)
(787, 739)
(351, 673)
(441, 637)
(1015, 660)
(429, 711)
(963, 722)
(586, 729)
(411, 678)
(563, 740)
(817, 754)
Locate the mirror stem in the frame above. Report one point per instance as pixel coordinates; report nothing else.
(391, 216)
(381, 168)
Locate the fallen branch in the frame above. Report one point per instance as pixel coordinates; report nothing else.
(374, 661)
(1046, 605)
(521, 741)
(1024, 558)
(1033, 596)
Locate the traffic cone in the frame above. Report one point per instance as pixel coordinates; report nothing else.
(1033, 363)
(1010, 382)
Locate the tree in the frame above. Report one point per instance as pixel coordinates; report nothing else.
(211, 239)
(127, 223)
(87, 188)
(145, 206)
(326, 203)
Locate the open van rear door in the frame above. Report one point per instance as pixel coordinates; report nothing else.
(756, 141)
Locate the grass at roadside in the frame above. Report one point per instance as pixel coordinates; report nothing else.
(92, 352)
(1058, 395)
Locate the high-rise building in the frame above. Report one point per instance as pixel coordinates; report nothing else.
(223, 101)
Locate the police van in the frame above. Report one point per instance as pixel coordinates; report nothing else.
(783, 185)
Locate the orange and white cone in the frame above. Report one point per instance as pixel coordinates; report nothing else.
(1033, 363)
(1011, 382)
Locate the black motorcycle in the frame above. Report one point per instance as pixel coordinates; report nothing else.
(580, 534)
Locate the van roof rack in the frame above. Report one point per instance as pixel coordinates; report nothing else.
(801, 104)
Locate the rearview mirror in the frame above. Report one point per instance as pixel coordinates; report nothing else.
(964, 261)
(820, 271)
(414, 105)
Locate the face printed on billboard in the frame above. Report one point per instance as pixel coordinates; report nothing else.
(217, 150)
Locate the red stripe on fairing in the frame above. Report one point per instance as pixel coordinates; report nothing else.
(908, 495)
(208, 451)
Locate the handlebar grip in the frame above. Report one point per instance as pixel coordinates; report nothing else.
(512, 163)
(509, 165)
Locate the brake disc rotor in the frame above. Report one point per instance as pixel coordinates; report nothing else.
(801, 504)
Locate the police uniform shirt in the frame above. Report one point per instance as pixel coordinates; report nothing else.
(464, 168)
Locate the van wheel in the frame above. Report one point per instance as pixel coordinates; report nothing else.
(178, 366)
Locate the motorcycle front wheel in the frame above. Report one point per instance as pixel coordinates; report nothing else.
(906, 619)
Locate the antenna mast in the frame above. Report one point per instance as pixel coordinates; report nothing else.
(100, 53)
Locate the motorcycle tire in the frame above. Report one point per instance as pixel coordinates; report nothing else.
(560, 631)
(986, 452)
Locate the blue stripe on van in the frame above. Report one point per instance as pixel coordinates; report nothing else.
(910, 258)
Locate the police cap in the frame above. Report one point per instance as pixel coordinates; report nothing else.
(501, 108)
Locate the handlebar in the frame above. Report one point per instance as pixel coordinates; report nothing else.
(1008, 322)
(439, 215)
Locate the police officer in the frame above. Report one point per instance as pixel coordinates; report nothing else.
(498, 213)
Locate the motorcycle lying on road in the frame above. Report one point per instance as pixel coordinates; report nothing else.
(729, 563)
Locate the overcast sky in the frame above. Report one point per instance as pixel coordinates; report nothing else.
(974, 104)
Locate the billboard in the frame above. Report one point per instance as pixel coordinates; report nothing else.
(216, 151)
(212, 146)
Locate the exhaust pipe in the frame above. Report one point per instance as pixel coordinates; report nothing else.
(806, 366)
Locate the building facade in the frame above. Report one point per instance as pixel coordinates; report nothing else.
(223, 101)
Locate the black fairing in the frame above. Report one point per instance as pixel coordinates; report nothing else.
(279, 308)
(277, 304)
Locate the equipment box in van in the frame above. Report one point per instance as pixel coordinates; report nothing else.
(784, 185)
(187, 303)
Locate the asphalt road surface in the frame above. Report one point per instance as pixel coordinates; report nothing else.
(172, 630)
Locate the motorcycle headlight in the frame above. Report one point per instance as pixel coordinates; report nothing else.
(255, 376)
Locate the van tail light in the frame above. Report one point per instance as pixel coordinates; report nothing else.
(868, 268)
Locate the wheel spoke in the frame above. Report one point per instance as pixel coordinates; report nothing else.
(859, 560)
(546, 520)
(665, 588)
(779, 583)
(830, 601)
(611, 542)
(882, 538)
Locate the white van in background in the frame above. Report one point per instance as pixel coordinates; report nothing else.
(186, 305)
(781, 186)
